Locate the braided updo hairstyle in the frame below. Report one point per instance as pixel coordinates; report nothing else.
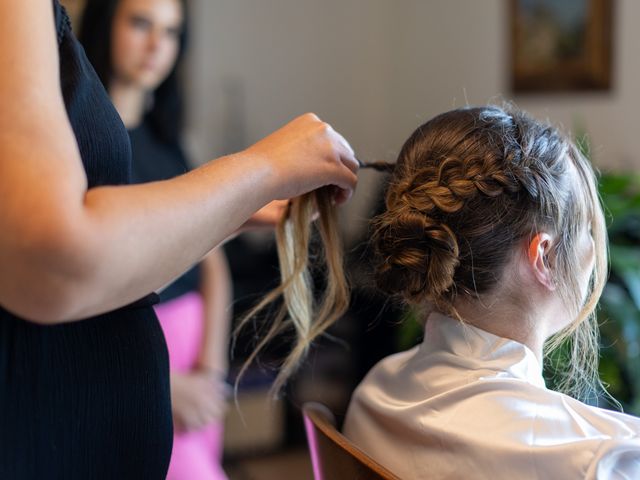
(469, 185)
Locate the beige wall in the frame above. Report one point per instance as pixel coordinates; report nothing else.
(377, 68)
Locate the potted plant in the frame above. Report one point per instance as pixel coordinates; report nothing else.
(619, 312)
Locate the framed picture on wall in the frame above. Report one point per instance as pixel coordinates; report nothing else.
(561, 45)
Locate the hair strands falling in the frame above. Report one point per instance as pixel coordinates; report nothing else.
(299, 309)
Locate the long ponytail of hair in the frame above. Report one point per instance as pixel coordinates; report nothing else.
(299, 309)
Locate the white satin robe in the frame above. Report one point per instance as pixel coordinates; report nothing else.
(468, 404)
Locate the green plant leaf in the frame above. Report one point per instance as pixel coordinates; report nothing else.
(625, 262)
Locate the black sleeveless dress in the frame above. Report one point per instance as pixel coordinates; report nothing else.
(88, 399)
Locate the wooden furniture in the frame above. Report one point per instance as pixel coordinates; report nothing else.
(333, 456)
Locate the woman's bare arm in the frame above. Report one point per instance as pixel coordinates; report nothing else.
(68, 252)
(217, 295)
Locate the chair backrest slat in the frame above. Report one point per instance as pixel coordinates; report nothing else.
(333, 456)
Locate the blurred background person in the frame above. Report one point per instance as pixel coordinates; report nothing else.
(136, 47)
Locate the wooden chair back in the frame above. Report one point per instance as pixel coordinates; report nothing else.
(333, 456)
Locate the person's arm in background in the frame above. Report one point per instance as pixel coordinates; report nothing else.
(217, 295)
(199, 396)
(68, 252)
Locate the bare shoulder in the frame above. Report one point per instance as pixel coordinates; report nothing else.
(32, 105)
(35, 135)
(28, 48)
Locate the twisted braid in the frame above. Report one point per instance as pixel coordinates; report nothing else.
(447, 186)
(475, 172)
(421, 250)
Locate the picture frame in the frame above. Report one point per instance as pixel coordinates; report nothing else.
(561, 46)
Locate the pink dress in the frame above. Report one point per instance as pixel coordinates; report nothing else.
(196, 455)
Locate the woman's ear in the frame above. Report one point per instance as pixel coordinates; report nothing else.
(539, 249)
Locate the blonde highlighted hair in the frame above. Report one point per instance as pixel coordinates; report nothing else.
(299, 310)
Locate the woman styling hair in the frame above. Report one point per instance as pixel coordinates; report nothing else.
(84, 374)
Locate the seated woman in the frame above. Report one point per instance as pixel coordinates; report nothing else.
(493, 228)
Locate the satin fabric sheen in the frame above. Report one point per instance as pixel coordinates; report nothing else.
(468, 404)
